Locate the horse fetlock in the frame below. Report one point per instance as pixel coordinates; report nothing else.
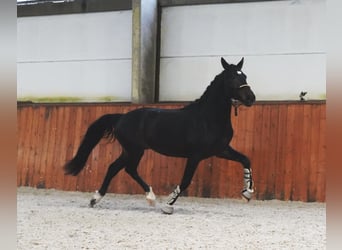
(151, 197)
(248, 185)
(248, 191)
(247, 194)
(173, 196)
(96, 198)
(168, 208)
(247, 178)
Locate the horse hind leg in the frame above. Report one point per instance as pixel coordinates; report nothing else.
(151, 197)
(131, 169)
(113, 169)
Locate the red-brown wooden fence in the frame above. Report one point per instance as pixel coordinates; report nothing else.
(285, 142)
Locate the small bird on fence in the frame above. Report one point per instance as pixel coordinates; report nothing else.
(301, 95)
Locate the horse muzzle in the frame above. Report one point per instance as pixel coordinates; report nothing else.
(249, 100)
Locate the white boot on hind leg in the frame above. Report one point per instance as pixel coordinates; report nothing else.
(96, 199)
(151, 197)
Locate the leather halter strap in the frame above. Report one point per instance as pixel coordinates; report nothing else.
(236, 103)
(243, 85)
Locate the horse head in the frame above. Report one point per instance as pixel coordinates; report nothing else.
(235, 82)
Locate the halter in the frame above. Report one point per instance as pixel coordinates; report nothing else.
(243, 85)
(236, 103)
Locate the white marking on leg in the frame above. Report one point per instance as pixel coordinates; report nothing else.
(151, 197)
(96, 198)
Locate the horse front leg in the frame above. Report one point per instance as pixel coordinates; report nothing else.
(189, 172)
(230, 154)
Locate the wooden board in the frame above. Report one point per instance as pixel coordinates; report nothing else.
(284, 141)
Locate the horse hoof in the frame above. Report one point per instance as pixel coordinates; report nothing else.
(152, 203)
(246, 199)
(92, 202)
(96, 199)
(247, 194)
(168, 209)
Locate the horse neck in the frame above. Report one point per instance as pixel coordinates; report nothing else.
(213, 103)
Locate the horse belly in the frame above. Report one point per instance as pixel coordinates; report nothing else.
(167, 143)
(179, 144)
(167, 136)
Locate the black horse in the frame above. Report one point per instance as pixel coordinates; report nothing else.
(197, 131)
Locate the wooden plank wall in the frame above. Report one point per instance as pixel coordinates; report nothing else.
(285, 142)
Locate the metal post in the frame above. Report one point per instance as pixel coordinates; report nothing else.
(144, 28)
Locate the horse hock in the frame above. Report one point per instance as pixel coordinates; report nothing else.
(248, 190)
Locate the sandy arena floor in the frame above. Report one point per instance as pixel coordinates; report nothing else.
(51, 219)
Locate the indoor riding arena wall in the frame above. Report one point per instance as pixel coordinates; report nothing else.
(284, 140)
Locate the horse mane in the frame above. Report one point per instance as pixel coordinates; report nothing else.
(213, 87)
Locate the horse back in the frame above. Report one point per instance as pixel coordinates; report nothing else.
(172, 132)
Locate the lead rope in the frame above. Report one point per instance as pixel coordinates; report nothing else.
(236, 104)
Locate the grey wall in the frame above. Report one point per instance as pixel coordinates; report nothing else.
(283, 43)
(88, 55)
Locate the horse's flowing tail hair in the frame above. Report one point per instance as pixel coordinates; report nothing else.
(101, 128)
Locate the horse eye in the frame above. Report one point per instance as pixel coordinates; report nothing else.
(239, 72)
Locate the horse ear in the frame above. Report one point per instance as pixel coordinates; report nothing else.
(239, 65)
(225, 65)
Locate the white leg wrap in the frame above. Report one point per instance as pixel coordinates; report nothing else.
(168, 208)
(247, 178)
(248, 189)
(173, 196)
(151, 197)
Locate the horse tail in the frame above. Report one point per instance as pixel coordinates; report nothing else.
(101, 128)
